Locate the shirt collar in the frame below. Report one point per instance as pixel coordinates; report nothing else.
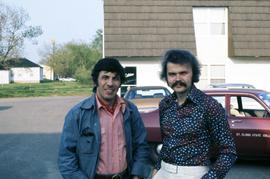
(193, 95)
(119, 102)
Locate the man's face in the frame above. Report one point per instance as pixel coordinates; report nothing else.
(108, 85)
(179, 77)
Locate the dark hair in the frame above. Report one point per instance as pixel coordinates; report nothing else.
(110, 65)
(178, 56)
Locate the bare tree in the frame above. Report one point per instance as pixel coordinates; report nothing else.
(13, 31)
(98, 40)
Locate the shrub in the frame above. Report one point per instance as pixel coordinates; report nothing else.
(82, 75)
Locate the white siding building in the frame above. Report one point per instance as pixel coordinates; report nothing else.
(4, 77)
(231, 39)
(22, 70)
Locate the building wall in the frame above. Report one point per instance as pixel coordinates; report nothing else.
(146, 28)
(4, 77)
(249, 26)
(146, 72)
(26, 75)
(48, 72)
(252, 71)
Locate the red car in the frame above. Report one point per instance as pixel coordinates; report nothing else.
(248, 113)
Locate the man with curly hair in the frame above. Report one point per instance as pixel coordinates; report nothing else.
(104, 136)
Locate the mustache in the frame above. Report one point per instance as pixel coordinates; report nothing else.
(181, 83)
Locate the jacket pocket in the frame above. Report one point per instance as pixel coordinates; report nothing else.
(86, 144)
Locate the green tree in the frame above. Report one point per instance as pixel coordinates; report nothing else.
(13, 31)
(98, 41)
(74, 59)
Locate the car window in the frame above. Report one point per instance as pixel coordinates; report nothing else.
(234, 102)
(220, 99)
(147, 93)
(244, 106)
(152, 93)
(266, 98)
(235, 107)
(250, 103)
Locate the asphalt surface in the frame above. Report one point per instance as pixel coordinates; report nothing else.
(29, 136)
(30, 133)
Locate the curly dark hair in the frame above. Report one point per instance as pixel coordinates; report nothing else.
(179, 56)
(110, 65)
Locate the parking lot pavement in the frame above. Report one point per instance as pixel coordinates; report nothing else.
(29, 133)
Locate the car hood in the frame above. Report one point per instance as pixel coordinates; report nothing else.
(146, 105)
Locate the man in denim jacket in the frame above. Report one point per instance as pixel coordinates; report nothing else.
(104, 136)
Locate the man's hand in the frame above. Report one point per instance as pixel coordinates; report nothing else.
(154, 172)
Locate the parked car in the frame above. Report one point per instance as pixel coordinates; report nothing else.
(66, 79)
(232, 85)
(248, 113)
(146, 98)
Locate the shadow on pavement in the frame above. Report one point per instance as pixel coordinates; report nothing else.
(29, 156)
(2, 108)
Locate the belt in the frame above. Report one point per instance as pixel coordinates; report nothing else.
(111, 176)
(171, 168)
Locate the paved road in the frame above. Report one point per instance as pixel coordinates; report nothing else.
(29, 138)
(247, 169)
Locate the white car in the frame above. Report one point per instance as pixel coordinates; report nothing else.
(67, 79)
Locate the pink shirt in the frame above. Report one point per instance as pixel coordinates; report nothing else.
(112, 155)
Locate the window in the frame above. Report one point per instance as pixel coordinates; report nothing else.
(217, 71)
(210, 20)
(131, 76)
(131, 79)
(211, 36)
(217, 74)
(250, 103)
(266, 98)
(247, 106)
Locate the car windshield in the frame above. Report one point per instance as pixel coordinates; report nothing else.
(265, 97)
(147, 93)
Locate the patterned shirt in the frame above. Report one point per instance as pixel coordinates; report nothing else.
(189, 132)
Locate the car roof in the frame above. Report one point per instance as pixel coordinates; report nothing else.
(232, 85)
(147, 87)
(236, 90)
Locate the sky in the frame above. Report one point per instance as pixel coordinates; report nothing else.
(62, 21)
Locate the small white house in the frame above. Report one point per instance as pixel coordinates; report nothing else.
(26, 74)
(4, 76)
(48, 72)
(23, 70)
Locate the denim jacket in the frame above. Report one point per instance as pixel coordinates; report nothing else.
(80, 141)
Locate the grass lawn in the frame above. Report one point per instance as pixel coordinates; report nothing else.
(45, 89)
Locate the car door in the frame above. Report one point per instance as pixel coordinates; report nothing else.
(251, 128)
